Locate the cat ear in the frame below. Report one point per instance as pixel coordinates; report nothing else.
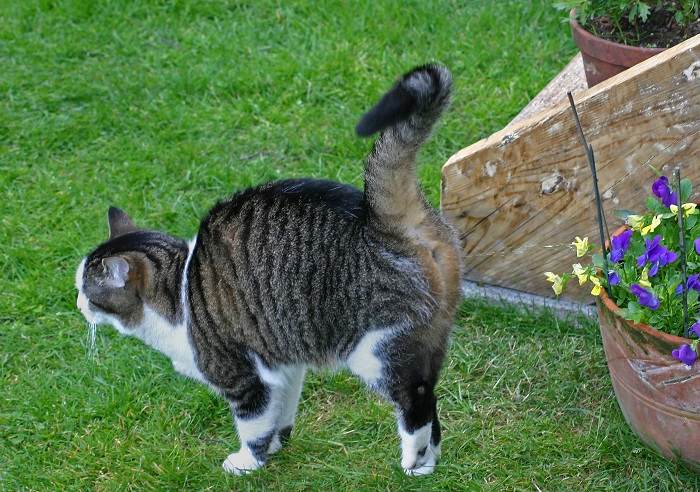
(119, 222)
(117, 270)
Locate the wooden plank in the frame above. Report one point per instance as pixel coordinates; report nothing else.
(572, 78)
(519, 196)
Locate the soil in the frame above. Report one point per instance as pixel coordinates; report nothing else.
(659, 31)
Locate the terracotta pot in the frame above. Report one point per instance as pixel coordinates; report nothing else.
(602, 58)
(659, 396)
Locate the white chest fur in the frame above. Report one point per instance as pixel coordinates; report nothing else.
(172, 340)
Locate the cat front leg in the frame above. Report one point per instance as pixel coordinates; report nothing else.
(256, 407)
(264, 405)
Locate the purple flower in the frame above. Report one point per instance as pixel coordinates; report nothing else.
(695, 328)
(661, 189)
(613, 277)
(620, 243)
(655, 254)
(697, 245)
(692, 283)
(645, 297)
(685, 354)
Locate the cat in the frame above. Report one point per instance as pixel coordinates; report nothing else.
(299, 274)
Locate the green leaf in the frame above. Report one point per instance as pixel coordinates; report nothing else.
(643, 11)
(686, 190)
(655, 206)
(597, 260)
(634, 312)
(623, 213)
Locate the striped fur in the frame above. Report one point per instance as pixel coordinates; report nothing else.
(300, 273)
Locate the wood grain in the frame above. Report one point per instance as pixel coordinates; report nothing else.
(520, 196)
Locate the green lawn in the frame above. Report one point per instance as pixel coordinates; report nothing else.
(162, 107)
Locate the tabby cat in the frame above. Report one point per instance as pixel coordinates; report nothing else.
(301, 274)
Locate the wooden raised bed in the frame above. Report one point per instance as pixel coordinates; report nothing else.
(520, 196)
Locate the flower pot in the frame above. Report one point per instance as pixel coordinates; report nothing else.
(659, 396)
(602, 58)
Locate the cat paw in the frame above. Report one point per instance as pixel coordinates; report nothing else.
(241, 462)
(424, 463)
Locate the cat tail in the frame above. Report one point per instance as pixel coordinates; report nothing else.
(405, 116)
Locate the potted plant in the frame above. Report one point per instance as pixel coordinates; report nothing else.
(650, 343)
(614, 35)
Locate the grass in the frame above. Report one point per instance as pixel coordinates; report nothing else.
(162, 107)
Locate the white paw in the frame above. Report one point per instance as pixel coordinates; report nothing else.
(275, 444)
(422, 465)
(241, 462)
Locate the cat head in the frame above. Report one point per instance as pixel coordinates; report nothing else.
(133, 271)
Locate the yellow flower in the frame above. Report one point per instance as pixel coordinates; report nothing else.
(644, 277)
(596, 285)
(581, 273)
(635, 221)
(655, 222)
(557, 282)
(582, 246)
(688, 209)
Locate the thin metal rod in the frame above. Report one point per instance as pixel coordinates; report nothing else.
(599, 207)
(681, 246)
(602, 225)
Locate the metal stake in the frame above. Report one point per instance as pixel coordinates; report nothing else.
(602, 226)
(681, 246)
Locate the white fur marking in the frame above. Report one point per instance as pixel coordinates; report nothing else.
(241, 462)
(289, 379)
(292, 394)
(411, 444)
(364, 360)
(183, 290)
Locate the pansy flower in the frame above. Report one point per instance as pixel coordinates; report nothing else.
(620, 244)
(644, 277)
(697, 245)
(655, 222)
(597, 287)
(661, 189)
(582, 246)
(581, 273)
(685, 354)
(688, 209)
(644, 297)
(695, 328)
(635, 222)
(692, 283)
(557, 282)
(656, 255)
(613, 277)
